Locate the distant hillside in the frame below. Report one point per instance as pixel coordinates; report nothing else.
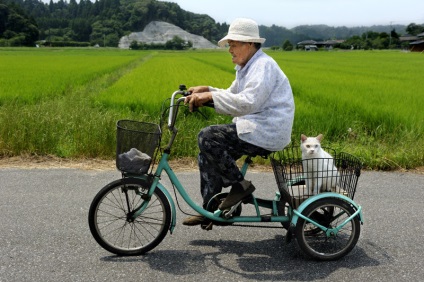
(275, 35)
(104, 22)
(320, 32)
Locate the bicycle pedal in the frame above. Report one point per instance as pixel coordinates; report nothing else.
(228, 213)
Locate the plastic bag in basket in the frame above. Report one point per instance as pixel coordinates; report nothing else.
(134, 161)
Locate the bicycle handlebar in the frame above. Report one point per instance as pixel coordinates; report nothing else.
(174, 105)
(173, 111)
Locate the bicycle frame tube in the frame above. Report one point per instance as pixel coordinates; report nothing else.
(328, 231)
(163, 165)
(299, 210)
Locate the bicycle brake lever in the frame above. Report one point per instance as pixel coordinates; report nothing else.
(208, 104)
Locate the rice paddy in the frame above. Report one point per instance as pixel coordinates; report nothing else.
(65, 102)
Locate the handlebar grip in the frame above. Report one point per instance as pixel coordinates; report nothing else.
(209, 104)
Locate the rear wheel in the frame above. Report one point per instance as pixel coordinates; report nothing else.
(111, 222)
(329, 212)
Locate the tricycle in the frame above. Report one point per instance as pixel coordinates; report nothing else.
(133, 214)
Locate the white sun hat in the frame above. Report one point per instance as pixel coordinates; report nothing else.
(244, 30)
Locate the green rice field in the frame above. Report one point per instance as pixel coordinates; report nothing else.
(65, 102)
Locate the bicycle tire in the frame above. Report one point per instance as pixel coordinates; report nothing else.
(113, 228)
(316, 244)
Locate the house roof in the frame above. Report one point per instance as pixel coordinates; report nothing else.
(417, 42)
(307, 42)
(330, 42)
(421, 34)
(327, 42)
(408, 37)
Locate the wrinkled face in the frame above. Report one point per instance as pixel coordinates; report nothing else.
(241, 52)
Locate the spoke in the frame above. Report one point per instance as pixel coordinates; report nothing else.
(107, 213)
(121, 227)
(147, 230)
(112, 204)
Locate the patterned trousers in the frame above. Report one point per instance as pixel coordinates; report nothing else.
(220, 148)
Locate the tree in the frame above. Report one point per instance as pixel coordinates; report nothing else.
(17, 29)
(134, 45)
(355, 42)
(393, 34)
(414, 29)
(394, 39)
(106, 33)
(287, 46)
(177, 43)
(4, 14)
(82, 29)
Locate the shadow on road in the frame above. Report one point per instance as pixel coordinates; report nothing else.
(269, 259)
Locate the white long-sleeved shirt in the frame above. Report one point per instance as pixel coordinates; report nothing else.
(261, 101)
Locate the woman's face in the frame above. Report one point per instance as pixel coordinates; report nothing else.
(241, 52)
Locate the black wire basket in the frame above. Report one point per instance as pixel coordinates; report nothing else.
(136, 145)
(299, 179)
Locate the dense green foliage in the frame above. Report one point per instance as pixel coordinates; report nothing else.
(176, 43)
(374, 40)
(16, 28)
(104, 22)
(65, 102)
(414, 29)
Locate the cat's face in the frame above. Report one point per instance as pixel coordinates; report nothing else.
(310, 145)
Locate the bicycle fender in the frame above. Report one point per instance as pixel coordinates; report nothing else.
(172, 204)
(159, 186)
(321, 196)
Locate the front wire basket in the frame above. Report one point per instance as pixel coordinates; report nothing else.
(299, 179)
(137, 144)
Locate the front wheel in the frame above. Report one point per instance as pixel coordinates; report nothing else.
(111, 222)
(314, 242)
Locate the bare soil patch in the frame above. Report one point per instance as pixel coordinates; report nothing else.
(48, 162)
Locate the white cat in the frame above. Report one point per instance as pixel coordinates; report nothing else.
(318, 166)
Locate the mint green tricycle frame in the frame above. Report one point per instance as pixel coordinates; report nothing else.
(294, 219)
(292, 216)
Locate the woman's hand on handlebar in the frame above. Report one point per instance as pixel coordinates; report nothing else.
(198, 89)
(197, 99)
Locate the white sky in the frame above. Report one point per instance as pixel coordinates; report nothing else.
(291, 13)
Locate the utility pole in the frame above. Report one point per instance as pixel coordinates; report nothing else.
(390, 35)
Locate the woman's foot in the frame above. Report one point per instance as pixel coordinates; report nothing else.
(194, 220)
(237, 193)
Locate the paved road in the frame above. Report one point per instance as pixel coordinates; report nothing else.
(44, 236)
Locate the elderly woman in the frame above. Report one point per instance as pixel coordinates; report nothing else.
(261, 101)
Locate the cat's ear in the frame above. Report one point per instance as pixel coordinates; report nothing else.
(319, 137)
(303, 137)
